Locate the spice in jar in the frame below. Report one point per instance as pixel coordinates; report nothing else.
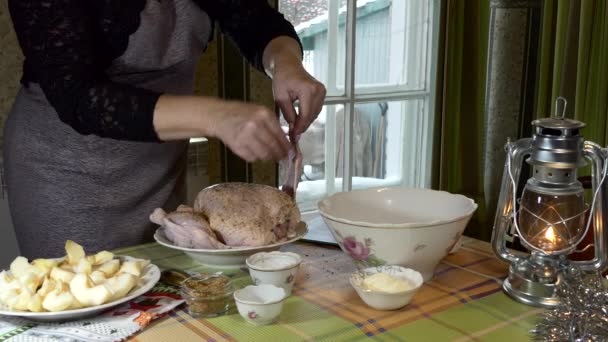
(207, 295)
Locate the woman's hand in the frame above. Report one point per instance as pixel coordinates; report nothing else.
(251, 131)
(291, 82)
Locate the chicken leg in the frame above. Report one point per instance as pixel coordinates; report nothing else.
(187, 229)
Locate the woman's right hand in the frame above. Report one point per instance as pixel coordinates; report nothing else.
(252, 132)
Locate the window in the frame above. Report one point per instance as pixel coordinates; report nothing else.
(376, 126)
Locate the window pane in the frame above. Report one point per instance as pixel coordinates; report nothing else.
(392, 45)
(388, 143)
(316, 155)
(320, 26)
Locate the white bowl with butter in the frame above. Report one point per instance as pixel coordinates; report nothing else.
(386, 287)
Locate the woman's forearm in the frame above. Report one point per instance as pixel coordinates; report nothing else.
(281, 52)
(184, 117)
(249, 130)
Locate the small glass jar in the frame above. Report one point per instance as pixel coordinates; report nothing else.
(207, 295)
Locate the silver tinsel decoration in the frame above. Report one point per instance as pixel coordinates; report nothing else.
(582, 315)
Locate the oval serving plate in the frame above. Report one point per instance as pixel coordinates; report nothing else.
(227, 258)
(150, 277)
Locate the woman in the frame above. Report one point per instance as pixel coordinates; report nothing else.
(98, 133)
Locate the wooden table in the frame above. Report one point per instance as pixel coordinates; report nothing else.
(463, 302)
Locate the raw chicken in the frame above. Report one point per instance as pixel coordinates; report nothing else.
(186, 228)
(238, 214)
(243, 214)
(232, 215)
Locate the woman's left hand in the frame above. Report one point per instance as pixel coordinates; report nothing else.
(291, 83)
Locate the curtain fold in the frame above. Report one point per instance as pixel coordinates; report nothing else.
(574, 63)
(461, 165)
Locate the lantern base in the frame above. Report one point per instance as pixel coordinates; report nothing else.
(533, 283)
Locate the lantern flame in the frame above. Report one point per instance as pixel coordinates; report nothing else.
(550, 234)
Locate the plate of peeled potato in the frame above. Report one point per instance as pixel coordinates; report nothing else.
(73, 287)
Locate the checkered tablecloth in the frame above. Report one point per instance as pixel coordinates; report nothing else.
(463, 302)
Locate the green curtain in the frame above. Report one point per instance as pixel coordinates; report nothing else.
(574, 63)
(462, 129)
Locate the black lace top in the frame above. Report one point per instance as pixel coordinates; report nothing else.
(68, 45)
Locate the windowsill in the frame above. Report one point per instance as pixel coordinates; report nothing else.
(309, 192)
(197, 140)
(317, 229)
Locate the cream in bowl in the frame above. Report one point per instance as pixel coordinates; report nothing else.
(275, 268)
(260, 304)
(409, 227)
(386, 287)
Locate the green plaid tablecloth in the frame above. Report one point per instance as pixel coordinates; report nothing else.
(463, 302)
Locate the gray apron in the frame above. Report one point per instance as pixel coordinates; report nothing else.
(99, 192)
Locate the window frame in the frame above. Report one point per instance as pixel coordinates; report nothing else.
(418, 175)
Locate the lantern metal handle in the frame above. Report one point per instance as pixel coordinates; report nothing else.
(516, 151)
(565, 102)
(599, 158)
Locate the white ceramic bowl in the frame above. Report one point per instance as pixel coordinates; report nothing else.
(260, 304)
(276, 268)
(415, 228)
(226, 258)
(385, 300)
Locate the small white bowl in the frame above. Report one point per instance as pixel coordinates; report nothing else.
(275, 268)
(386, 300)
(260, 304)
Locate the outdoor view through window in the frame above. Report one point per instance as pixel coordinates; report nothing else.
(393, 93)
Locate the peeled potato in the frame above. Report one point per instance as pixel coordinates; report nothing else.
(8, 282)
(98, 277)
(46, 265)
(32, 280)
(100, 258)
(76, 305)
(62, 275)
(87, 293)
(19, 299)
(109, 268)
(134, 267)
(35, 303)
(20, 266)
(121, 284)
(74, 251)
(59, 299)
(83, 266)
(48, 285)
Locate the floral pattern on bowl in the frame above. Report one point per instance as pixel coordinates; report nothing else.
(361, 251)
(252, 315)
(290, 279)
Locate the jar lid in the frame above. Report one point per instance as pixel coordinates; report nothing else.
(207, 285)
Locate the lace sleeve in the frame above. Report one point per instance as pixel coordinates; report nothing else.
(251, 24)
(63, 53)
